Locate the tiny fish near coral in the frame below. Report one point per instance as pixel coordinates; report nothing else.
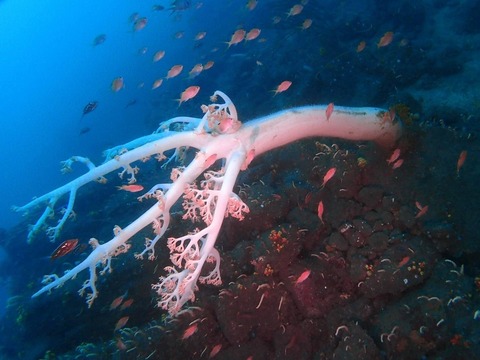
(284, 85)
(461, 160)
(121, 323)
(394, 157)
(320, 211)
(192, 329)
(386, 39)
(303, 276)
(130, 188)
(64, 248)
(329, 111)
(188, 94)
(328, 176)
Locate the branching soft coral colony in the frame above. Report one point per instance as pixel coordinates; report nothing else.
(217, 136)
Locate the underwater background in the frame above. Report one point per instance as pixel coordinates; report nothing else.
(78, 78)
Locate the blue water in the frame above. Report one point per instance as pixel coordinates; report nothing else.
(49, 71)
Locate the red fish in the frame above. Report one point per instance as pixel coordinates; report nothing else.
(282, 87)
(422, 209)
(329, 111)
(126, 304)
(188, 94)
(130, 188)
(174, 71)
(403, 261)
(361, 46)
(215, 350)
(121, 345)
(157, 83)
(139, 24)
(252, 34)
(320, 211)
(192, 329)
(461, 160)
(121, 323)
(237, 37)
(394, 157)
(303, 276)
(397, 164)
(208, 65)
(158, 55)
(306, 24)
(196, 70)
(295, 10)
(117, 84)
(328, 176)
(117, 301)
(64, 248)
(386, 39)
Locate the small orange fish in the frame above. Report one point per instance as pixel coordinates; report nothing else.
(361, 46)
(385, 40)
(196, 70)
(306, 24)
(174, 71)
(157, 83)
(158, 55)
(320, 211)
(308, 198)
(215, 350)
(126, 304)
(295, 10)
(208, 65)
(192, 329)
(394, 157)
(121, 323)
(117, 301)
(131, 188)
(188, 94)
(64, 248)
(403, 261)
(329, 111)
(461, 160)
(422, 209)
(282, 87)
(397, 164)
(252, 34)
(117, 84)
(121, 345)
(140, 23)
(303, 276)
(328, 176)
(237, 37)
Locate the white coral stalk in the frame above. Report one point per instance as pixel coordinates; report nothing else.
(219, 135)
